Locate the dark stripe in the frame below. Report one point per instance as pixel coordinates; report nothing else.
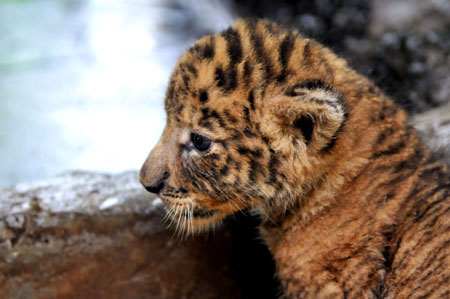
(432, 172)
(220, 77)
(189, 68)
(205, 113)
(233, 45)
(285, 50)
(198, 185)
(229, 117)
(329, 73)
(291, 92)
(255, 169)
(322, 102)
(194, 48)
(206, 123)
(231, 79)
(248, 69)
(332, 104)
(412, 162)
(256, 153)
(392, 182)
(433, 221)
(224, 171)
(307, 52)
(200, 213)
(420, 200)
(284, 54)
(247, 114)
(388, 196)
(186, 80)
(249, 133)
(214, 156)
(216, 115)
(170, 91)
(258, 47)
(281, 77)
(177, 107)
(431, 256)
(205, 51)
(251, 99)
(384, 134)
(274, 163)
(312, 84)
(218, 194)
(203, 96)
(227, 80)
(208, 114)
(243, 150)
(309, 84)
(388, 110)
(436, 271)
(224, 144)
(415, 193)
(237, 135)
(271, 27)
(208, 51)
(234, 50)
(392, 150)
(441, 199)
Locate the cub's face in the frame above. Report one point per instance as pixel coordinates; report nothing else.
(238, 134)
(210, 161)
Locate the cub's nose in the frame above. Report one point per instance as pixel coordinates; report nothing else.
(155, 172)
(153, 183)
(155, 188)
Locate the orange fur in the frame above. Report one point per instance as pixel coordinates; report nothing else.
(352, 203)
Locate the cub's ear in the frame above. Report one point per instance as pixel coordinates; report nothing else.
(309, 114)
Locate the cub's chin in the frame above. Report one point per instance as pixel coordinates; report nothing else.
(190, 221)
(188, 217)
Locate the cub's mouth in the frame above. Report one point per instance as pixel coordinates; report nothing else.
(189, 210)
(188, 218)
(201, 213)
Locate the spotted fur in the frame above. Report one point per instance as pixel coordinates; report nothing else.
(352, 203)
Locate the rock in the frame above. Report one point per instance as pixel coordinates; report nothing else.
(85, 235)
(434, 126)
(409, 57)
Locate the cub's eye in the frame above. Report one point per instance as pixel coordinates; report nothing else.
(201, 143)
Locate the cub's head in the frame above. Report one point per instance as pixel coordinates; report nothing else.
(251, 118)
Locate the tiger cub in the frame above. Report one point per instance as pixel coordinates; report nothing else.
(352, 203)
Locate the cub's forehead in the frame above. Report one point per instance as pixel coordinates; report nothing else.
(226, 72)
(206, 76)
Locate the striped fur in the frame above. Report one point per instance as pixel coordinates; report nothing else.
(353, 204)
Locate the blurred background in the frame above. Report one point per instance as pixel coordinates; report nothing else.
(82, 82)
